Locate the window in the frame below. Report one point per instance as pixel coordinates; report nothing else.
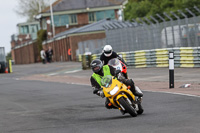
(96, 16)
(21, 30)
(44, 24)
(33, 29)
(92, 17)
(73, 19)
(24, 30)
(100, 15)
(62, 20)
(56, 19)
(110, 14)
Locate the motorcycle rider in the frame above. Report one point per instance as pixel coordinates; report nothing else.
(99, 71)
(109, 54)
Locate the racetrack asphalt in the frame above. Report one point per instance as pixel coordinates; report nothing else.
(57, 98)
(149, 79)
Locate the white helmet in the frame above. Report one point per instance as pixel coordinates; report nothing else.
(107, 50)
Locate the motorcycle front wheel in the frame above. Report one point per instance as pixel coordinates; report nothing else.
(127, 107)
(141, 110)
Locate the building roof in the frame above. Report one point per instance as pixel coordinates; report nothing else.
(96, 26)
(102, 25)
(65, 5)
(28, 23)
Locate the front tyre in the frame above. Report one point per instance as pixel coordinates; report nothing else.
(127, 107)
(141, 110)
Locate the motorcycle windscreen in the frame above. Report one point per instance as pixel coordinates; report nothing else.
(115, 63)
(106, 81)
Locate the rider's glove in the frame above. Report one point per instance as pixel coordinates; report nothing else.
(120, 77)
(95, 90)
(101, 94)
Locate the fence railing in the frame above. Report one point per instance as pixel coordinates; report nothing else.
(183, 57)
(147, 33)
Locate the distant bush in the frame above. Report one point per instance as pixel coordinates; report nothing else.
(41, 36)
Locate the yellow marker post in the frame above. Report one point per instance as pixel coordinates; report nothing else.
(10, 66)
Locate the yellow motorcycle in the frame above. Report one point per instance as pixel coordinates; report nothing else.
(121, 96)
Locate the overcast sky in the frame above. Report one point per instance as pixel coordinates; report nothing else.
(8, 22)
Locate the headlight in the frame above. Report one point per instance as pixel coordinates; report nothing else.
(114, 90)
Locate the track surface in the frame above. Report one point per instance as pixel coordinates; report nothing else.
(45, 107)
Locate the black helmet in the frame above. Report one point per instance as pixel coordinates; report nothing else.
(96, 65)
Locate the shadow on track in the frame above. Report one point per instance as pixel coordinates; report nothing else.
(106, 118)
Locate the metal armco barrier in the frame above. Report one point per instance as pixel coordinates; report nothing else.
(188, 57)
(162, 57)
(183, 57)
(140, 59)
(96, 56)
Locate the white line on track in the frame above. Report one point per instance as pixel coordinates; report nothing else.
(52, 74)
(73, 71)
(189, 95)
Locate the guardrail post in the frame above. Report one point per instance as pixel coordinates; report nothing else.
(171, 69)
(10, 66)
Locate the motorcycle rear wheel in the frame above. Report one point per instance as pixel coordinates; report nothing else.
(127, 107)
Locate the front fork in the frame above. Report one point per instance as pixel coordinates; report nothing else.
(128, 100)
(135, 105)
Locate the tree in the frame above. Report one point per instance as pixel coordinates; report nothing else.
(8, 56)
(42, 35)
(146, 8)
(30, 8)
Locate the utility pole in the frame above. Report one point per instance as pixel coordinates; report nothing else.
(52, 20)
(39, 6)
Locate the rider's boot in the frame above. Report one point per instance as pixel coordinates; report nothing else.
(136, 90)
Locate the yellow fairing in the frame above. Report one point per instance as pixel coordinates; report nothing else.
(122, 92)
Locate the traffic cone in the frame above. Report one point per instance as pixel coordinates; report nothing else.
(6, 71)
